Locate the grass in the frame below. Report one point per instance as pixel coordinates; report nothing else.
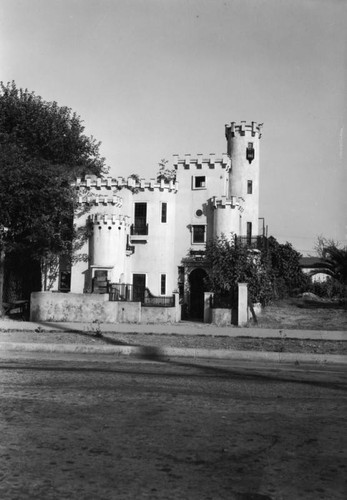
(290, 314)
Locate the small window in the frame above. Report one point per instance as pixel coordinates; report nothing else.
(163, 212)
(250, 152)
(199, 212)
(198, 234)
(163, 284)
(249, 187)
(200, 182)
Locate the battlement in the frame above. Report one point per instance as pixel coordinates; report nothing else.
(233, 129)
(223, 201)
(129, 183)
(199, 160)
(109, 219)
(90, 198)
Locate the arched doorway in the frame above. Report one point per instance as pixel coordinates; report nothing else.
(197, 288)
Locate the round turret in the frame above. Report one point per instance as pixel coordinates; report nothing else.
(108, 241)
(243, 149)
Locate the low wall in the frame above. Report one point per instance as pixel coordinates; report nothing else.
(221, 317)
(86, 308)
(224, 317)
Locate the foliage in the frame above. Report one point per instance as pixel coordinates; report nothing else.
(43, 130)
(272, 272)
(335, 262)
(229, 263)
(330, 289)
(284, 268)
(42, 149)
(165, 173)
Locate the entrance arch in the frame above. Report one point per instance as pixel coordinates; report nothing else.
(197, 288)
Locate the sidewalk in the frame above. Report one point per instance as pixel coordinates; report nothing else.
(185, 339)
(181, 328)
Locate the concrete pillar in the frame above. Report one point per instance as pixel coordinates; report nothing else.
(177, 307)
(242, 304)
(207, 307)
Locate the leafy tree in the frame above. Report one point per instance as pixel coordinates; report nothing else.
(284, 265)
(271, 272)
(165, 173)
(42, 149)
(334, 257)
(336, 260)
(229, 263)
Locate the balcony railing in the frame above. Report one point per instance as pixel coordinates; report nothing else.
(133, 293)
(139, 230)
(254, 242)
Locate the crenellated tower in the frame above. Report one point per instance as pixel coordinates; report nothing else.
(238, 212)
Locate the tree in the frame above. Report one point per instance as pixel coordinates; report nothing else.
(271, 272)
(165, 173)
(42, 149)
(284, 264)
(335, 258)
(229, 263)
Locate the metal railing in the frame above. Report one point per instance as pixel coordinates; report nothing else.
(139, 230)
(224, 300)
(254, 242)
(132, 293)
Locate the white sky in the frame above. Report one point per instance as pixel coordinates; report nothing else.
(151, 78)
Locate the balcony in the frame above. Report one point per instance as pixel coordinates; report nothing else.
(252, 242)
(138, 232)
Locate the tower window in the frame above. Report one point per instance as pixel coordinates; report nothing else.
(198, 234)
(249, 187)
(250, 152)
(199, 182)
(164, 212)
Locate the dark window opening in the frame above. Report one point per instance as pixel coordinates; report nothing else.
(200, 181)
(198, 234)
(140, 219)
(164, 212)
(249, 187)
(250, 152)
(163, 284)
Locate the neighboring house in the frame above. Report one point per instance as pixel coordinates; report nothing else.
(315, 267)
(150, 234)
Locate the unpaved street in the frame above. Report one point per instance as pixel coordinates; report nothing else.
(93, 427)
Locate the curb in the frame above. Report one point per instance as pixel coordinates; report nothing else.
(151, 352)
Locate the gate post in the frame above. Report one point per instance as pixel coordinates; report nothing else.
(207, 307)
(242, 304)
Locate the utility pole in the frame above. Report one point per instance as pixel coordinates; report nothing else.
(3, 231)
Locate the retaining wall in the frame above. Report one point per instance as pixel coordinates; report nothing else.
(86, 308)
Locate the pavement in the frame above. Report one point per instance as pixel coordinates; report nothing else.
(37, 337)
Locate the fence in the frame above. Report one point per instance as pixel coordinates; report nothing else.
(133, 293)
(225, 300)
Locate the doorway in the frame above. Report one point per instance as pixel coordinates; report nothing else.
(139, 285)
(197, 288)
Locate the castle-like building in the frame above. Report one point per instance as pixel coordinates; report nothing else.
(152, 234)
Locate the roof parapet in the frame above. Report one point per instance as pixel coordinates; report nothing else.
(131, 183)
(200, 160)
(253, 128)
